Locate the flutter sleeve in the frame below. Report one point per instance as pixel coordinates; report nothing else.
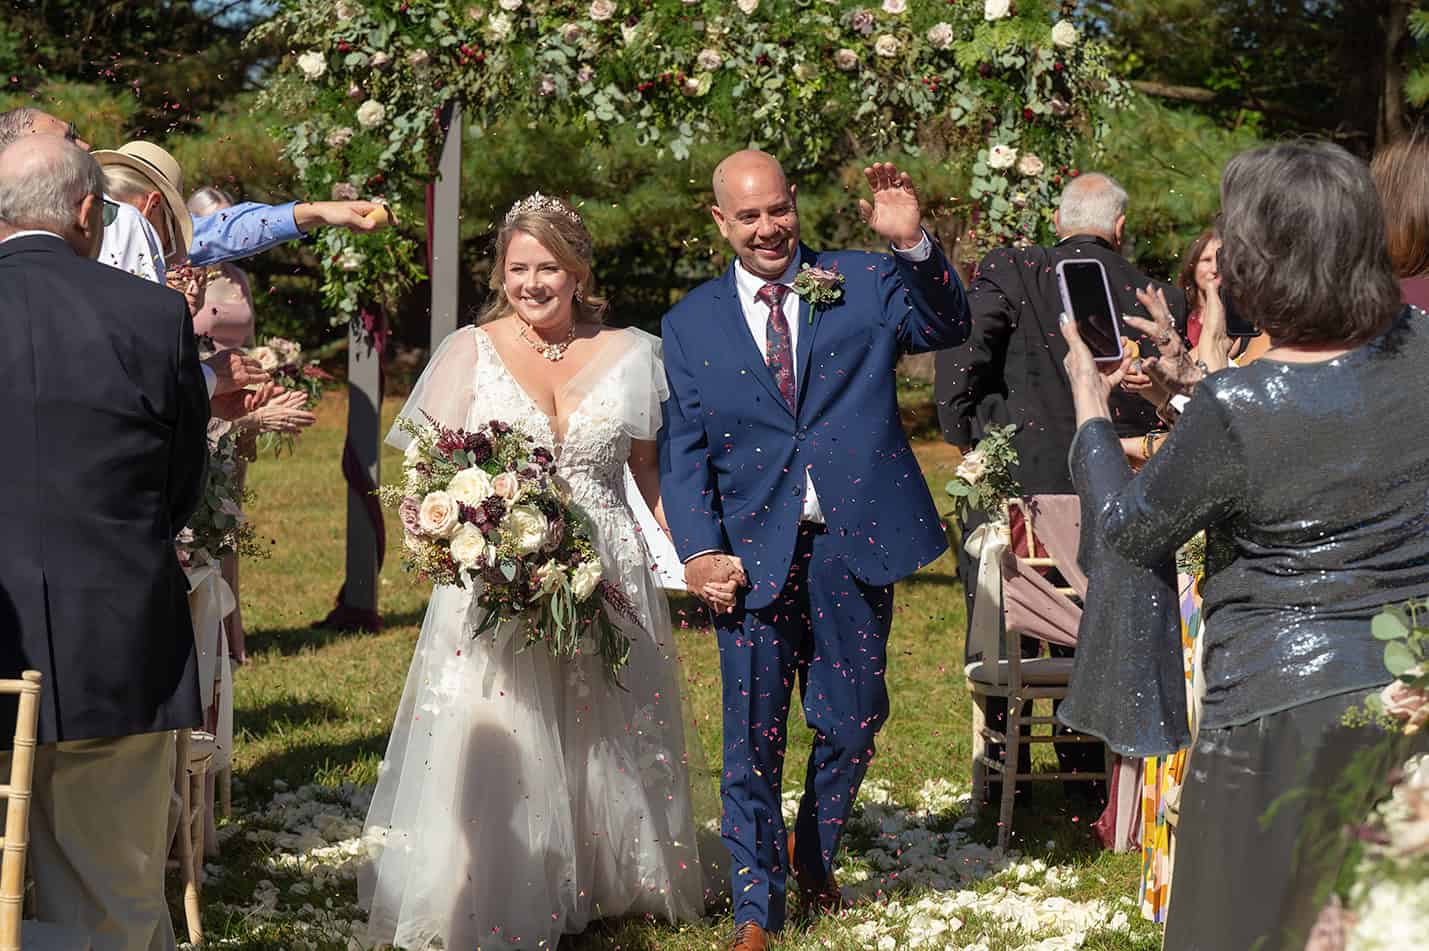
(445, 389)
(643, 386)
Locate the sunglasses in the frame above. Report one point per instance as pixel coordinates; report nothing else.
(111, 212)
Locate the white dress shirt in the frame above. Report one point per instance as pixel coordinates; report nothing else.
(756, 317)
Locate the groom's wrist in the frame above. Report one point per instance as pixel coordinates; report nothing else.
(701, 554)
(916, 248)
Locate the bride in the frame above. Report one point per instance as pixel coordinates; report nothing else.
(523, 797)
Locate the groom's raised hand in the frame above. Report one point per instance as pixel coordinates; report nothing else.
(894, 213)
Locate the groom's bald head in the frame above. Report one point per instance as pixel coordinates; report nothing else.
(754, 208)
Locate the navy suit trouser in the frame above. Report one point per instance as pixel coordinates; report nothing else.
(830, 631)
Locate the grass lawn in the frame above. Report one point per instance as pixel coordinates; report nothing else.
(314, 707)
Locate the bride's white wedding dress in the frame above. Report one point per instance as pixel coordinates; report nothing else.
(521, 797)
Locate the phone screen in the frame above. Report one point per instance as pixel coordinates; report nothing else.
(1089, 300)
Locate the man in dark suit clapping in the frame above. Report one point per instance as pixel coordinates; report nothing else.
(1011, 369)
(103, 429)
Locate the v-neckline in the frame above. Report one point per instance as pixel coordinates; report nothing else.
(552, 421)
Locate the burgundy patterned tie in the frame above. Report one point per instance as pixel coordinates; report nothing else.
(780, 353)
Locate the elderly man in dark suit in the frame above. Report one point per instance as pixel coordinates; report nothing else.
(103, 427)
(1011, 369)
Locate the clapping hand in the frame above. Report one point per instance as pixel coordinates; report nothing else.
(894, 213)
(236, 404)
(1173, 371)
(234, 370)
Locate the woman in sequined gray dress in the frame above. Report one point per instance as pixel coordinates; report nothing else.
(1314, 463)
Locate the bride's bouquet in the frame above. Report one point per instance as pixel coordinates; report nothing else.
(487, 508)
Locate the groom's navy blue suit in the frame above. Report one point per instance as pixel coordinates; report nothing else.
(733, 460)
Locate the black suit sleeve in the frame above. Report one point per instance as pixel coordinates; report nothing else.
(188, 460)
(963, 376)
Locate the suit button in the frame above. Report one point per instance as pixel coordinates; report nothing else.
(795, 491)
(801, 435)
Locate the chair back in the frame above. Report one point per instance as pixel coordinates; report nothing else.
(1045, 531)
(16, 792)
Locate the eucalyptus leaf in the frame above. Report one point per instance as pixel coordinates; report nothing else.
(1398, 658)
(1389, 626)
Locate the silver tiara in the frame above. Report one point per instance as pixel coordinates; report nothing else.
(539, 202)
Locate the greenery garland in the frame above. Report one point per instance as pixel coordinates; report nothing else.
(1010, 90)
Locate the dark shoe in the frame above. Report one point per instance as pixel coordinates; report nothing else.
(819, 895)
(748, 936)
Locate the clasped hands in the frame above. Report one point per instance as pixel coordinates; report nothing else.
(715, 578)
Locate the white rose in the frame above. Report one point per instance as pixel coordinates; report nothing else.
(344, 11)
(507, 485)
(585, 578)
(339, 137)
(886, 45)
(602, 9)
(996, 9)
(500, 25)
(266, 356)
(940, 36)
(1064, 34)
(1001, 156)
(709, 59)
(351, 259)
(470, 486)
(510, 4)
(846, 59)
(468, 546)
(747, 6)
(371, 113)
(572, 33)
(895, 7)
(1030, 165)
(313, 64)
(418, 58)
(527, 528)
(379, 60)
(439, 515)
(972, 468)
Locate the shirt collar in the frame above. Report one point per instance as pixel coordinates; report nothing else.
(30, 234)
(749, 284)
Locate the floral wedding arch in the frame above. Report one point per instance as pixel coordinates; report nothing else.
(1012, 89)
(372, 88)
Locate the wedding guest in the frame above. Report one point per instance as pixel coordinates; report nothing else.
(1009, 372)
(1291, 458)
(225, 315)
(91, 594)
(1401, 173)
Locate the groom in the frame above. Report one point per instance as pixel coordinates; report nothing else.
(796, 502)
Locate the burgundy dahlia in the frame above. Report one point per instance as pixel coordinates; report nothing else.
(495, 509)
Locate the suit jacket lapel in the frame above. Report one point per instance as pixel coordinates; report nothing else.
(732, 312)
(808, 329)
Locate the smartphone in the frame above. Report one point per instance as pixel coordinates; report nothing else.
(1236, 325)
(1086, 295)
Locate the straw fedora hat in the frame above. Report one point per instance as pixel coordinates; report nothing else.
(159, 169)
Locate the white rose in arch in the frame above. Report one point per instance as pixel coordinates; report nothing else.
(500, 26)
(471, 486)
(996, 9)
(351, 259)
(747, 6)
(510, 4)
(526, 525)
(709, 59)
(313, 64)
(371, 113)
(602, 9)
(940, 36)
(339, 137)
(1001, 156)
(895, 7)
(846, 59)
(585, 578)
(439, 515)
(380, 60)
(468, 546)
(972, 468)
(886, 45)
(1065, 34)
(1030, 165)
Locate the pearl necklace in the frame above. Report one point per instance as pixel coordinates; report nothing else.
(551, 351)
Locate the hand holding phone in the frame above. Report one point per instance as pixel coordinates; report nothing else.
(1087, 299)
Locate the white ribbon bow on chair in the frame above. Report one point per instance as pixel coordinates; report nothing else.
(987, 544)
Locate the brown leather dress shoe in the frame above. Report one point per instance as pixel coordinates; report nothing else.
(748, 936)
(818, 895)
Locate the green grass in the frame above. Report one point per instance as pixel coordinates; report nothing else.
(315, 706)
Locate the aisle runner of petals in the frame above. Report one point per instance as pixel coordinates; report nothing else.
(914, 876)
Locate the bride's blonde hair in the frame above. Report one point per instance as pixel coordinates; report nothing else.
(560, 230)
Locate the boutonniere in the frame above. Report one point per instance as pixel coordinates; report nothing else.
(821, 287)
